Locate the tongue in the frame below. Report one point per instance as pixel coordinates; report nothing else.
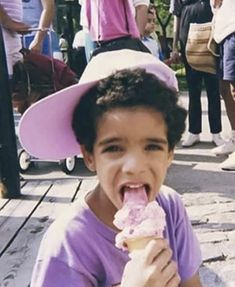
(136, 196)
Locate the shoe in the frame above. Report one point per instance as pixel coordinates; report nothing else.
(229, 163)
(217, 139)
(227, 148)
(191, 140)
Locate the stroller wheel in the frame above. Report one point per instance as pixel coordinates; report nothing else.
(24, 161)
(68, 165)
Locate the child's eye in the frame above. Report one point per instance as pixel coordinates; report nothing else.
(154, 147)
(112, 148)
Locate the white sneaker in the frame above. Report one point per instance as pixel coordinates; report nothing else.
(227, 148)
(217, 139)
(191, 140)
(229, 163)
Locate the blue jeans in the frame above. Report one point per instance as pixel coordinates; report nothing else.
(89, 46)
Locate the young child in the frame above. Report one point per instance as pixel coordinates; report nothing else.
(147, 39)
(150, 39)
(126, 120)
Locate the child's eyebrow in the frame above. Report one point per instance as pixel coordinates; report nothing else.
(109, 141)
(116, 139)
(157, 140)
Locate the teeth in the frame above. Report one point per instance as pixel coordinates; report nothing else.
(134, 185)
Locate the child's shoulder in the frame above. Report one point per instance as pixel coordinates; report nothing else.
(168, 193)
(71, 219)
(170, 200)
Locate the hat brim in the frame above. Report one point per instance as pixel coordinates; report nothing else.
(45, 129)
(44, 137)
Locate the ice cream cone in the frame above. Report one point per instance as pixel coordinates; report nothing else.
(134, 244)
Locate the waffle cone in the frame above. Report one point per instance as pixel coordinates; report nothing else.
(138, 243)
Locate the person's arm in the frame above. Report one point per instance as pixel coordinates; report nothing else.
(216, 3)
(141, 17)
(45, 22)
(176, 31)
(141, 14)
(192, 282)
(8, 23)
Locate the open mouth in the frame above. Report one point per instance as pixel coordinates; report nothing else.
(135, 192)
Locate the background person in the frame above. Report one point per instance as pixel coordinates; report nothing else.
(186, 12)
(147, 38)
(40, 14)
(88, 43)
(224, 34)
(115, 25)
(11, 22)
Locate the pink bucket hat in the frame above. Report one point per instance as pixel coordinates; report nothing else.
(45, 129)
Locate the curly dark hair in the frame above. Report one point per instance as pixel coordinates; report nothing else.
(126, 89)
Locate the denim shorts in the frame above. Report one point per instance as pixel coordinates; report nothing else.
(49, 46)
(227, 58)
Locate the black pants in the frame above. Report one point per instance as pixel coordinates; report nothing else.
(194, 80)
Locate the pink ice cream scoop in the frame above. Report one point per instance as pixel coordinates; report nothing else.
(138, 220)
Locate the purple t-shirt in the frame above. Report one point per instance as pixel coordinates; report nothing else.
(79, 250)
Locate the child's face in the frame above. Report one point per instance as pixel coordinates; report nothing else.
(150, 26)
(131, 149)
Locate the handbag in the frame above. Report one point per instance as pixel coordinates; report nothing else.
(201, 49)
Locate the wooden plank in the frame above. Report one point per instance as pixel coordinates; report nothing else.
(16, 212)
(17, 262)
(86, 186)
(3, 202)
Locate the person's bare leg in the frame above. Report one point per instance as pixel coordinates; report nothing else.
(228, 94)
(229, 101)
(232, 89)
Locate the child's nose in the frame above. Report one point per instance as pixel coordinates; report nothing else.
(133, 164)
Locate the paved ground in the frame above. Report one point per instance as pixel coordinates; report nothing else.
(208, 193)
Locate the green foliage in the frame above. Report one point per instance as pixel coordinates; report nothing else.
(182, 83)
(180, 74)
(162, 8)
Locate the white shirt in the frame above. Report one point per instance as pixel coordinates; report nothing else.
(224, 20)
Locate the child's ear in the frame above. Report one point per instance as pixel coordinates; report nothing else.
(88, 159)
(170, 157)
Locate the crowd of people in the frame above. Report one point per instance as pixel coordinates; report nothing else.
(185, 12)
(222, 83)
(124, 118)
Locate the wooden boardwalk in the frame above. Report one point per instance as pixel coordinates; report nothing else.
(23, 222)
(208, 194)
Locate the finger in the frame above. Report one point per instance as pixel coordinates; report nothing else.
(169, 271)
(153, 249)
(174, 281)
(162, 260)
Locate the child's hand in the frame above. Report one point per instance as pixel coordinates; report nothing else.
(151, 267)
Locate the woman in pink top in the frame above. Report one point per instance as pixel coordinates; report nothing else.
(115, 25)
